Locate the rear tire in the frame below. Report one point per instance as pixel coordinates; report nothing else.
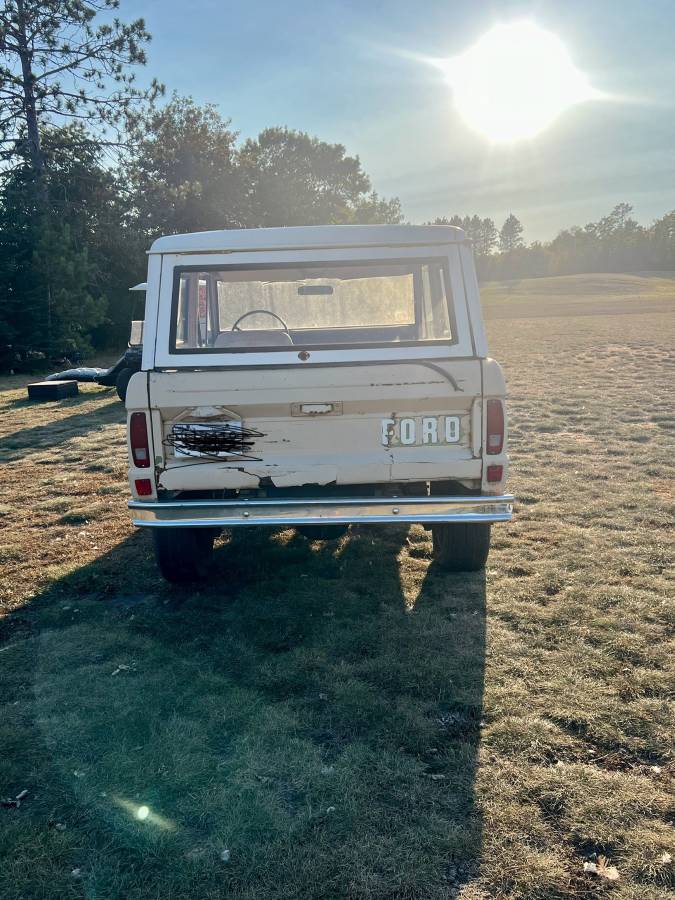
(122, 382)
(461, 547)
(183, 554)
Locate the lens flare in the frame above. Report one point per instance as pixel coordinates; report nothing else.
(515, 82)
(143, 813)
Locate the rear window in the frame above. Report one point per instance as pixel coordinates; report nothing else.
(223, 309)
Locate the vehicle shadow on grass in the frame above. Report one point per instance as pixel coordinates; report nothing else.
(314, 709)
(37, 438)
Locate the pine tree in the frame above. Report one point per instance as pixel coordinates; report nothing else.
(58, 269)
(488, 237)
(510, 236)
(58, 65)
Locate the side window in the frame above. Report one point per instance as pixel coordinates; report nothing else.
(196, 312)
(182, 312)
(435, 300)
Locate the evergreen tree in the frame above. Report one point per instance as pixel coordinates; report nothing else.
(59, 65)
(481, 232)
(60, 260)
(487, 237)
(375, 210)
(510, 236)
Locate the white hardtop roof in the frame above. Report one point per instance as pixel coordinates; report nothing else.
(308, 236)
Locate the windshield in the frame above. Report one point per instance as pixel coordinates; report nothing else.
(378, 302)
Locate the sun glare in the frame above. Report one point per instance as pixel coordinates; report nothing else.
(515, 81)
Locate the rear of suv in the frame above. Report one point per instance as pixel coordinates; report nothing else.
(315, 377)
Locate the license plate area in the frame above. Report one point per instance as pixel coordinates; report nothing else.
(212, 440)
(421, 431)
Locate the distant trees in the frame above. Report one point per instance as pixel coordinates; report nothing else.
(487, 237)
(662, 242)
(615, 243)
(482, 232)
(511, 234)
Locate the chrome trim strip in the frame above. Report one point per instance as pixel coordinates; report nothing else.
(311, 511)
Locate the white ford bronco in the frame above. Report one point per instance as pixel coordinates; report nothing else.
(315, 377)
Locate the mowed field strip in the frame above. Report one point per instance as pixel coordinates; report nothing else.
(341, 719)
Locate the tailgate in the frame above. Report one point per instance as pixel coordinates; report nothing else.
(342, 424)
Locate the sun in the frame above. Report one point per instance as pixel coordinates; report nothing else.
(515, 82)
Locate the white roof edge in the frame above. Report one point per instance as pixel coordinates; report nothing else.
(141, 286)
(307, 236)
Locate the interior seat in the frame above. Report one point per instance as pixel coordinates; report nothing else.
(272, 337)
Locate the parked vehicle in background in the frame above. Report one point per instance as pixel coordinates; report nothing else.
(316, 377)
(116, 376)
(130, 362)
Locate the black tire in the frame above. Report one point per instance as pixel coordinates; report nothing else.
(322, 532)
(461, 547)
(183, 554)
(122, 382)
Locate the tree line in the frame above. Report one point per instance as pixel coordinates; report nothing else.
(484, 235)
(93, 167)
(615, 243)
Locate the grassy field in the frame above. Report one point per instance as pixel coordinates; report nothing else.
(581, 295)
(341, 719)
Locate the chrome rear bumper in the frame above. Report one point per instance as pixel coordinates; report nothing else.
(322, 511)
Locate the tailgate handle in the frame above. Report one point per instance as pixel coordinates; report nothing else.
(316, 409)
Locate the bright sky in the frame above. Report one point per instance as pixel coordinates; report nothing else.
(359, 73)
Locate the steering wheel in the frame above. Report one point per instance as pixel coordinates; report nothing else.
(253, 312)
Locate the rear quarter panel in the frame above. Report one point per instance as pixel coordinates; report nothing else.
(137, 401)
(494, 386)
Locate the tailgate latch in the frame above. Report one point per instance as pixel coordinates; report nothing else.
(316, 409)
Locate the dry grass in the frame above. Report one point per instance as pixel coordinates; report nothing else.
(343, 718)
(582, 295)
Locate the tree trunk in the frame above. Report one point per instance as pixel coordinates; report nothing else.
(29, 105)
(34, 146)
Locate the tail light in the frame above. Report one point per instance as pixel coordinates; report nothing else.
(495, 427)
(144, 487)
(138, 440)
